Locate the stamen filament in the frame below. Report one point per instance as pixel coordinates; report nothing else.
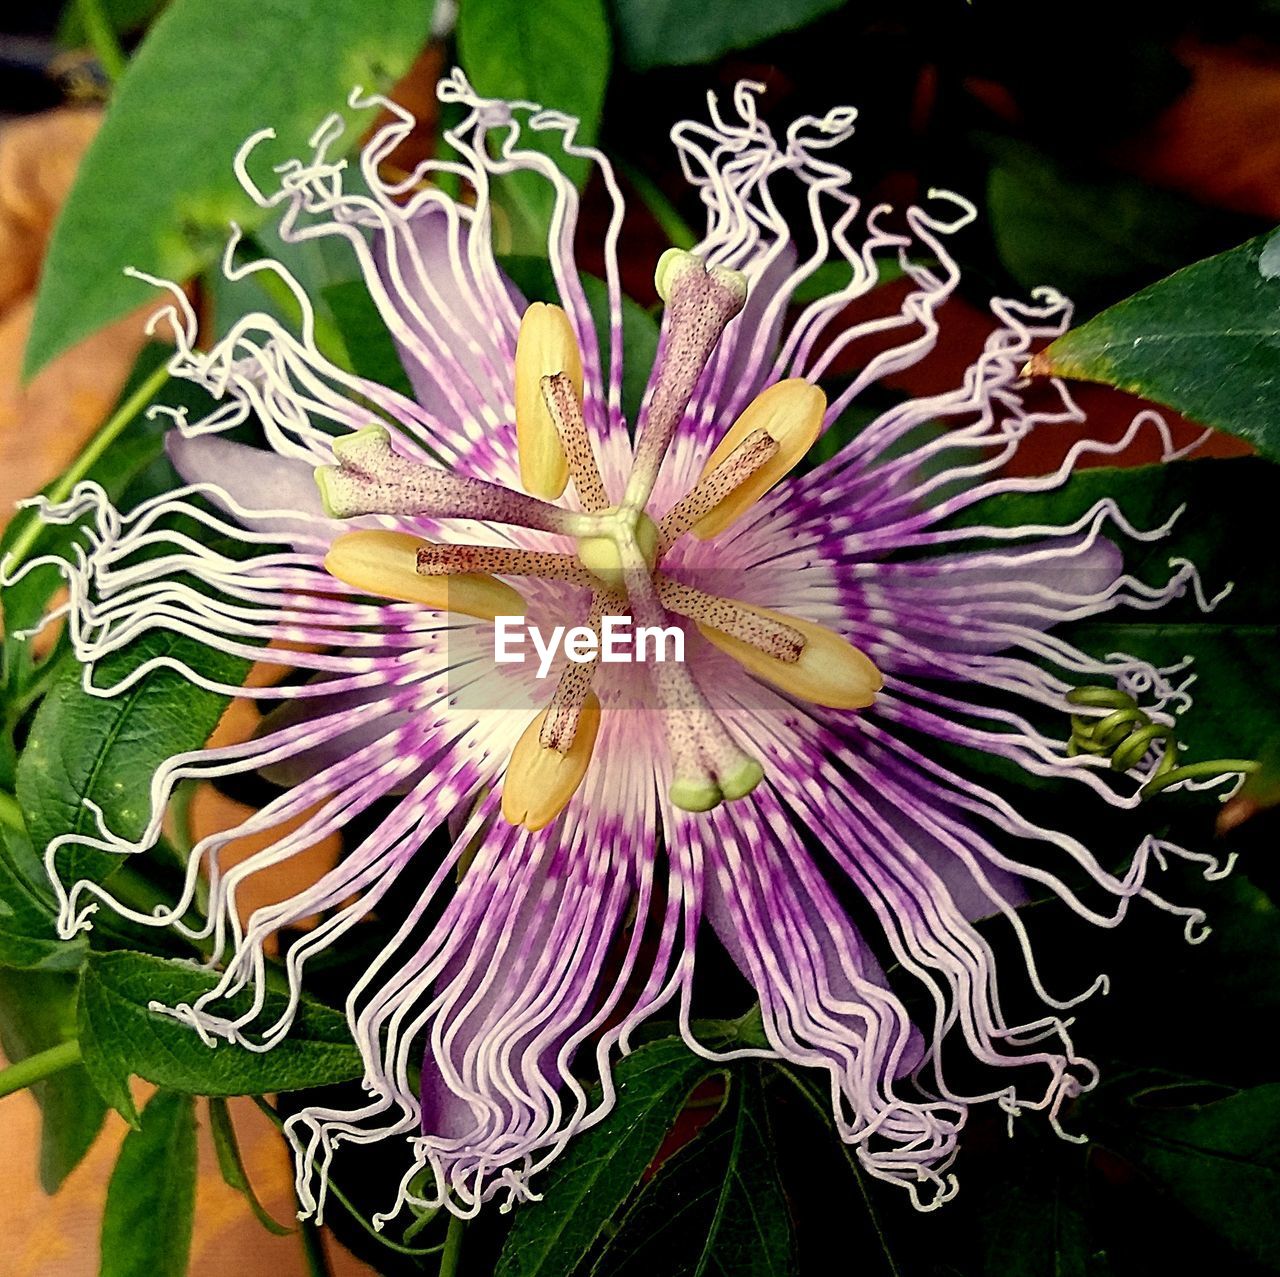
(774, 638)
(752, 453)
(560, 725)
(566, 412)
(708, 765)
(447, 560)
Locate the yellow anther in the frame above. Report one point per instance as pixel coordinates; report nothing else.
(790, 412)
(386, 563)
(540, 781)
(546, 345)
(830, 671)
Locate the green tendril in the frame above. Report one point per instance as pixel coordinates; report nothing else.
(1126, 734)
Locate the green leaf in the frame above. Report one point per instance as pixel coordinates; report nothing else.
(316, 265)
(1236, 970)
(859, 1224)
(1218, 1161)
(1204, 341)
(373, 352)
(1095, 236)
(583, 1189)
(28, 931)
(1037, 1224)
(146, 1228)
(657, 33)
(1229, 504)
(715, 1207)
(556, 53)
(156, 189)
(231, 1164)
(37, 1011)
(120, 1036)
(123, 16)
(106, 750)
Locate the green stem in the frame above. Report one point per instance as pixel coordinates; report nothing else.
(665, 213)
(452, 1246)
(11, 813)
(423, 1221)
(35, 1068)
(313, 1249)
(102, 38)
(61, 489)
(1194, 771)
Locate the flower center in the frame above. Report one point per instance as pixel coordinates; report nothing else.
(619, 547)
(623, 532)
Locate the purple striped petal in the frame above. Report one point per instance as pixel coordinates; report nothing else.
(447, 335)
(254, 480)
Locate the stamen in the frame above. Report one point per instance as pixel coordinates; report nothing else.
(700, 302)
(565, 408)
(447, 560)
(386, 564)
(708, 765)
(781, 641)
(545, 346)
(540, 781)
(561, 722)
(830, 671)
(715, 485)
(789, 412)
(372, 478)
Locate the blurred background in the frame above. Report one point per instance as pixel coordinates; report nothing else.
(1105, 144)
